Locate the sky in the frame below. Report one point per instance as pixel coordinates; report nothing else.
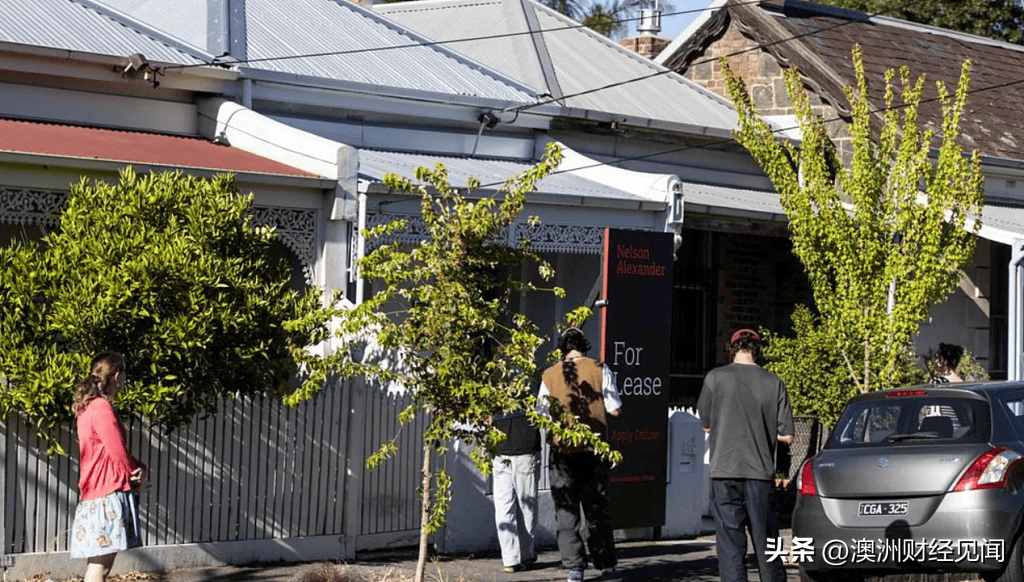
(672, 24)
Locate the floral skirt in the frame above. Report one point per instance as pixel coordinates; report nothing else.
(106, 525)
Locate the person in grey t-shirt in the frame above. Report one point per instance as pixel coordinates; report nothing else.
(745, 411)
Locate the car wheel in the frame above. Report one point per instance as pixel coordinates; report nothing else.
(1014, 570)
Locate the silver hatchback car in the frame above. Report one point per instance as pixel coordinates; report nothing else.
(920, 479)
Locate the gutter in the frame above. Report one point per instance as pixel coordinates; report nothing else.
(197, 69)
(309, 82)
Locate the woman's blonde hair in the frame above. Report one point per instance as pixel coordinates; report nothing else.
(102, 372)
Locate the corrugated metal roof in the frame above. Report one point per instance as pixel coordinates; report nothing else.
(724, 200)
(279, 31)
(301, 27)
(582, 59)
(1003, 222)
(132, 147)
(567, 188)
(191, 30)
(75, 26)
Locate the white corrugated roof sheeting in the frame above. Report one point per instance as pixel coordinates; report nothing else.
(582, 60)
(729, 201)
(378, 52)
(75, 26)
(566, 187)
(1002, 222)
(169, 13)
(301, 27)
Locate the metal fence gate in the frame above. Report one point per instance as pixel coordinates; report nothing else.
(254, 471)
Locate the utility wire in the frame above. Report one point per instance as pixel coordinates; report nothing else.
(668, 70)
(730, 140)
(230, 63)
(724, 141)
(525, 107)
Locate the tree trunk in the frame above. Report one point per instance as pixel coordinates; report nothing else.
(421, 562)
(866, 386)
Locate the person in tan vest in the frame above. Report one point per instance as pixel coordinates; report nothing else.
(586, 389)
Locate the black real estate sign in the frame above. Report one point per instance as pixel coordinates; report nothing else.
(635, 342)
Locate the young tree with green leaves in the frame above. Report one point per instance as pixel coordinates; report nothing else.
(881, 241)
(168, 270)
(445, 312)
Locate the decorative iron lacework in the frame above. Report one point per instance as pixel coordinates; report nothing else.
(297, 230)
(296, 227)
(23, 206)
(556, 238)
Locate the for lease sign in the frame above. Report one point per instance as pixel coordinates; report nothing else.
(635, 342)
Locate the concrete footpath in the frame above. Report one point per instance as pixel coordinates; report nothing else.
(691, 560)
(657, 561)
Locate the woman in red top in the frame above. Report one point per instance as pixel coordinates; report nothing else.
(107, 519)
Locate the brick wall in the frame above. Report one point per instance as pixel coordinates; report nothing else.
(760, 281)
(762, 75)
(646, 45)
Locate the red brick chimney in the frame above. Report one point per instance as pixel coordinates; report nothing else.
(648, 43)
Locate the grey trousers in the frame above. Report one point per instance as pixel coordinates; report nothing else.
(515, 505)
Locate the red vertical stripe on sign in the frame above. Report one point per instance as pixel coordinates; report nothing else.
(605, 272)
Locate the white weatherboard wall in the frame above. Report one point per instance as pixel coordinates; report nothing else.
(470, 524)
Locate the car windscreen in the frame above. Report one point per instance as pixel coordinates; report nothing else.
(912, 421)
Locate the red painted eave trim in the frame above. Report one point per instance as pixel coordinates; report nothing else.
(134, 147)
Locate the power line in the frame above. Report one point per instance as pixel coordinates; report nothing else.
(668, 70)
(525, 107)
(422, 44)
(730, 140)
(518, 109)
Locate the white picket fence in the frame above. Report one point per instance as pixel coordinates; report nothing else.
(254, 471)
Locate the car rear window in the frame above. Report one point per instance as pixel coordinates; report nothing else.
(912, 421)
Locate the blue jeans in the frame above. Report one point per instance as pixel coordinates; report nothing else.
(739, 505)
(515, 506)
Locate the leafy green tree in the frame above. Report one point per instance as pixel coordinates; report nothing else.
(881, 241)
(998, 19)
(445, 314)
(167, 269)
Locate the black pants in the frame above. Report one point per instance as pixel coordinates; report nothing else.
(582, 479)
(739, 505)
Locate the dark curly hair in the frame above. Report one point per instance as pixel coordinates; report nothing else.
(572, 339)
(745, 341)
